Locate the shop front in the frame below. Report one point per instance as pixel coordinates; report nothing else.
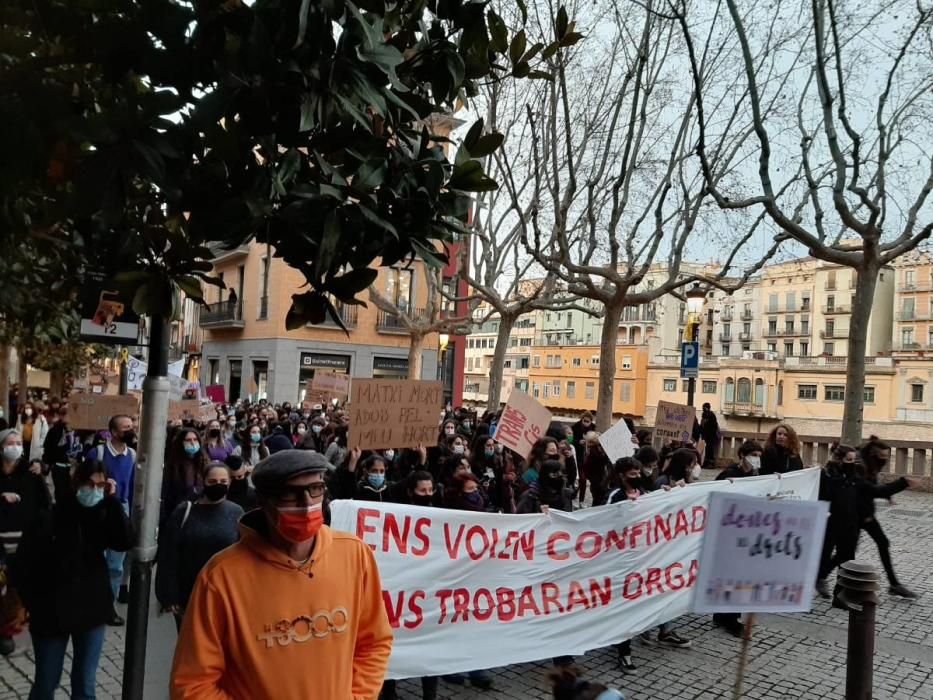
(390, 367)
(312, 362)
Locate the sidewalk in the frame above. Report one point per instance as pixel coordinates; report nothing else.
(792, 656)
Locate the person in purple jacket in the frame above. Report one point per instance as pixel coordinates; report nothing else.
(217, 446)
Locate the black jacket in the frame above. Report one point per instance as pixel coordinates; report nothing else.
(733, 471)
(16, 518)
(839, 486)
(869, 490)
(60, 570)
(779, 460)
(535, 497)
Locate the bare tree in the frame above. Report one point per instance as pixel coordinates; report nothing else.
(612, 195)
(420, 323)
(859, 131)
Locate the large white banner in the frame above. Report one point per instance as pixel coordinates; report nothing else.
(468, 591)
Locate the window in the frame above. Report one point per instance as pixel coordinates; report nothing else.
(772, 347)
(492, 343)
(831, 279)
(730, 390)
(828, 348)
(537, 361)
(830, 303)
(930, 338)
(869, 394)
(625, 391)
(523, 363)
(791, 301)
(805, 326)
(916, 393)
(806, 392)
(746, 347)
(576, 362)
(594, 360)
(834, 393)
(907, 310)
(399, 287)
(709, 387)
(263, 287)
(469, 364)
(547, 391)
(670, 385)
(507, 364)
(805, 349)
(521, 385)
(685, 385)
(772, 326)
(589, 391)
(907, 337)
(555, 388)
(513, 342)
(571, 390)
(525, 342)
(789, 326)
(909, 278)
(772, 302)
(780, 396)
(726, 330)
(805, 304)
(725, 351)
(744, 390)
(626, 362)
(788, 349)
(747, 328)
(759, 392)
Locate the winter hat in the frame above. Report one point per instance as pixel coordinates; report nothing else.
(272, 472)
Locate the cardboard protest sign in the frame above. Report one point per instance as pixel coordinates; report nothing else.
(516, 588)
(617, 441)
(523, 422)
(216, 393)
(760, 554)
(94, 411)
(674, 421)
(185, 409)
(331, 383)
(394, 413)
(313, 397)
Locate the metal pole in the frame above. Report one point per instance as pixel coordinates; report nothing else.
(858, 584)
(743, 656)
(154, 417)
(692, 382)
(124, 371)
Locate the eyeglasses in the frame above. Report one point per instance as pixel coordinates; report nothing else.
(296, 494)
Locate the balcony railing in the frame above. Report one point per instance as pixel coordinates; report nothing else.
(726, 315)
(390, 323)
(837, 309)
(917, 287)
(787, 333)
(842, 334)
(745, 337)
(348, 313)
(725, 337)
(743, 408)
(829, 286)
(913, 315)
(223, 314)
(747, 315)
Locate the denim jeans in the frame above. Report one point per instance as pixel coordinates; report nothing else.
(115, 563)
(50, 659)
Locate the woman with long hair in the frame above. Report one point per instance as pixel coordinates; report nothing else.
(543, 450)
(184, 465)
(34, 428)
(875, 455)
(782, 451)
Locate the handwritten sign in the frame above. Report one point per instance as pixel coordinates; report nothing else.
(394, 413)
(185, 409)
(331, 383)
(94, 411)
(524, 421)
(216, 393)
(759, 554)
(674, 421)
(617, 441)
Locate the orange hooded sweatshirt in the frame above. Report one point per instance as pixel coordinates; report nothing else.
(258, 626)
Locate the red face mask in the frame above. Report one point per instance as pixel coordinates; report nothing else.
(300, 524)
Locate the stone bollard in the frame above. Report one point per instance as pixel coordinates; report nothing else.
(859, 585)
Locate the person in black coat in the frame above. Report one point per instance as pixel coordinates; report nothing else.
(580, 429)
(549, 490)
(62, 573)
(782, 451)
(709, 431)
(369, 484)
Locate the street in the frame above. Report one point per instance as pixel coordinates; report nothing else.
(792, 656)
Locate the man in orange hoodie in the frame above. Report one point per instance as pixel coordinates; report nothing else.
(294, 610)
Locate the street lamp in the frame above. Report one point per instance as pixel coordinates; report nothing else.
(696, 297)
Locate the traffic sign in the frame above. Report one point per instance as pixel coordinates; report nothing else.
(689, 360)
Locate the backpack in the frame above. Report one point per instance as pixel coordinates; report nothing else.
(100, 453)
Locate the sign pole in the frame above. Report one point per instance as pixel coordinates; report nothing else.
(743, 656)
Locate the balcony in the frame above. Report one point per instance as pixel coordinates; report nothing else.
(787, 333)
(726, 337)
(917, 286)
(348, 313)
(747, 315)
(913, 315)
(223, 314)
(745, 337)
(831, 334)
(726, 315)
(743, 408)
(837, 309)
(390, 323)
(830, 286)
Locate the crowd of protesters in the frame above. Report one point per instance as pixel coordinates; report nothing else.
(66, 496)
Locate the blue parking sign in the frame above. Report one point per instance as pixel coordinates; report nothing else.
(689, 360)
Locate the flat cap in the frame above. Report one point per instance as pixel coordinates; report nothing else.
(272, 472)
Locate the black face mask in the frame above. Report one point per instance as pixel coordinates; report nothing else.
(418, 499)
(128, 436)
(554, 480)
(213, 432)
(216, 492)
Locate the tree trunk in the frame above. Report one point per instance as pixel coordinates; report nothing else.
(5, 379)
(607, 364)
(506, 323)
(22, 374)
(56, 383)
(415, 353)
(855, 362)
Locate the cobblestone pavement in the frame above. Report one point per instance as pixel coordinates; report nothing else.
(792, 656)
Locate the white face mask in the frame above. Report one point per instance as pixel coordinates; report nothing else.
(11, 453)
(27, 412)
(389, 454)
(754, 461)
(449, 430)
(695, 472)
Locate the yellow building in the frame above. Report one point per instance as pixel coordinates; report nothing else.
(913, 313)
(565, 378)
(245, 336)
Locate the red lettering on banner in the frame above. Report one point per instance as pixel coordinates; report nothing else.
(361, 527)
(392, 610)
(474, 553)
(552, 550)
(453, 548)
(699, 516)
(391, 529)
(480, 613)
(632, 578)
(673, 577)
(527, 543)
(442, 597)
(601, 595)
(527, 604)
(617, 539)
(506, 599)
(636, 586)
(584, 553)
(550, 595)
(636, 531)
(461, 604)
(577, 597)
(414, 607)
(421, 526)
(662, 528)
(653, 581)
(692, 573)
(681, 527)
